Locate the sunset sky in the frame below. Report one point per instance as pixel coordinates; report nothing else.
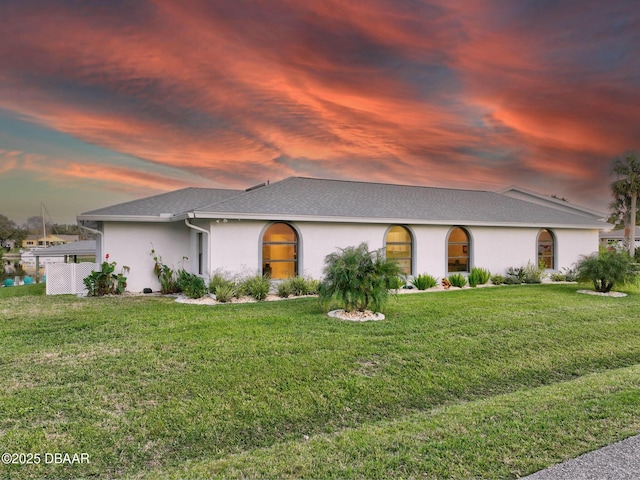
(104, 102)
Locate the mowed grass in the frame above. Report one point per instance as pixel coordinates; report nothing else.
(479, 383)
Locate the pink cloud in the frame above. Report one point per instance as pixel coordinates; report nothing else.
(8, 161)
(111, 177)
(443, 93)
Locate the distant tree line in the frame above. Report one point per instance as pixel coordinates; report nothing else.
(10, 230)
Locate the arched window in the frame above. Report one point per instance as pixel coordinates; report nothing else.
(458, 250)
(280, 251)
(546, 249)
(399, 247)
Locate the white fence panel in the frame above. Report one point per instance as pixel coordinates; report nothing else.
(66, 278)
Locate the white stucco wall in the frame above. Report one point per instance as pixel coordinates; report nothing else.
(131, 244)
(319, 240)
(572, 244)
(497, 249)
(235, 247)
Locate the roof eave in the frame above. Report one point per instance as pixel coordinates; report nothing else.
(162, 218)
(388, 220)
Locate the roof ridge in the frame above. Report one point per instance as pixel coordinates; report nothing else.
(362, 182)
(246, 192)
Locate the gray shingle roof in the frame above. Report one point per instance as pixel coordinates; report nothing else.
(617, 234)
(176, 203)
(308, 197)
(298, 197)
(82, 247)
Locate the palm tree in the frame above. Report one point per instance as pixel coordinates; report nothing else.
(625, 191)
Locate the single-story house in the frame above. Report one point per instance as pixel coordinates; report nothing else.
(286, 228)
(617, 238)
(33, 241)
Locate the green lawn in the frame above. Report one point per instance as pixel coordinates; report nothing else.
(480, 383)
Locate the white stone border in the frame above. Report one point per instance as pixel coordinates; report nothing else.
(367, 316)
(602, 294)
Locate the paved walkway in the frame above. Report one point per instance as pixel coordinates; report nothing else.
(620, 461)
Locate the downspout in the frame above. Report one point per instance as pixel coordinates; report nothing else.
(199, 229)
(99, 234)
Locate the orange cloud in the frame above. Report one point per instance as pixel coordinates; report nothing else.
(462, 94)
(8, 160)
(65, 173)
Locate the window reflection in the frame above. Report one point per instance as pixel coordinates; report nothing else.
(280, 251)
(399, 247)
(546, 249)
(458, 250)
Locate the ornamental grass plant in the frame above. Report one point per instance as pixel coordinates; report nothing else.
(478, 276)
(424, 281)
(457, 280)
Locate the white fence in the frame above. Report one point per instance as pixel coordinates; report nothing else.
(66, 278)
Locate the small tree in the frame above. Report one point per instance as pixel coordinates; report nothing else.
(8, 228)
(358, 278)
(606, 268)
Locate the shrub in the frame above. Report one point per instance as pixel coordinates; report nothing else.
(397, 282)
(192, 285)
(166, 275)
(224, 292)
(515, 275)
(497, 279)
(533, 273)
(512, 280)
(182, 279)
(357, 278)
(457, 280)
(567, 275)
(299, 286)
(424, 281)
(257, 286)
(313, 286)
(218, 280)
(479, 276)
(571, 274)
(606, 268)
(105, 281)
(284, 288)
